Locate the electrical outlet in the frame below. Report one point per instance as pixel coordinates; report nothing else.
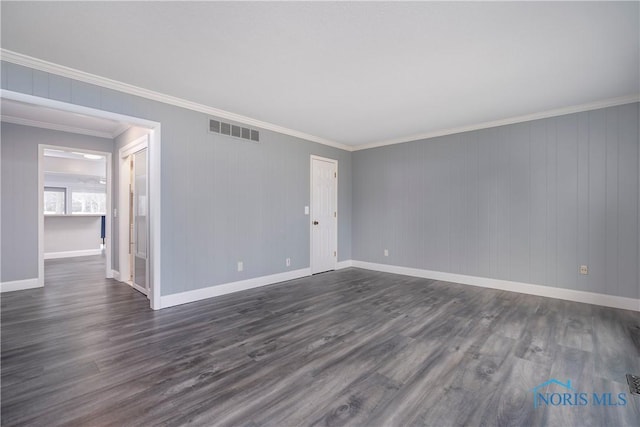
(386, 252)
(288, 262)
(240, 266)
(584, 269)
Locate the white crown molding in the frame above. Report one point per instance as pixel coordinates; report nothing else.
(55, 126)
(61, 70)
(612, 102)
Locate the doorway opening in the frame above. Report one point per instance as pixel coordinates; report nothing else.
(76, 194)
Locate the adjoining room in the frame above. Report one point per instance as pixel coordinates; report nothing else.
(75, 203)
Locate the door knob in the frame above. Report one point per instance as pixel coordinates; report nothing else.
(315, 222)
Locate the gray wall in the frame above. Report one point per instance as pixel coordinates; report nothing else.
(223, 199)
(19, 168)
(71, 233)
(529, 202)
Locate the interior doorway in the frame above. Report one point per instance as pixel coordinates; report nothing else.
(324, 214)
(72, 112)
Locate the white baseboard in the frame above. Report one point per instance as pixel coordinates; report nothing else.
(19, 285)
(344, 264)
(507, 285)
(116, 275)
(227, 288)
(71, 254)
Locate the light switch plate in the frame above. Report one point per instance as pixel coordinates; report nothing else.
(306, 210)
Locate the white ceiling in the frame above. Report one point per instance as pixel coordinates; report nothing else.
(350, 72)
(49, 118)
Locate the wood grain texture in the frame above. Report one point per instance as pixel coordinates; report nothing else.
(351, 347)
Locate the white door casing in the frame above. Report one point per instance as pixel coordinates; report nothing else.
(324, 214)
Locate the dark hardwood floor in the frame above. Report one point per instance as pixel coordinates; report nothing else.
(351, 347)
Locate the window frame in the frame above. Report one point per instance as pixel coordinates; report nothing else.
(65, 196)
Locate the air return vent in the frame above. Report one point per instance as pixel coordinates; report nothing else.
(236, 131)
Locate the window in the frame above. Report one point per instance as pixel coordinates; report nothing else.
(83, 202)
(55, 200)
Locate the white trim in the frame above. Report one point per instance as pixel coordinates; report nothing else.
(71, 254)
(40, 214)
(507, 285)
(134, 146)
(335, 203)
(154, 154)
(54, 126)
(115, 274)
(227, 288)
(344, 264)
(76, 108)
(19, 285)
(49, 67)
(611, 102)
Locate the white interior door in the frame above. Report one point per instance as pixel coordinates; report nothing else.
(140, 224)
(324, 214)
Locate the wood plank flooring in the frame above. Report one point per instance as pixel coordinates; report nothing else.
(351, 347)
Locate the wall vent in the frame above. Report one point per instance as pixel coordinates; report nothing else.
(216, 126)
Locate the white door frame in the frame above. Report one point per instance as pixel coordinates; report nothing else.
(107, 228)
(335, 162)
(124, 174)
(154, 174)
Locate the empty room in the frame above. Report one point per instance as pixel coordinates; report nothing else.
(320, 213)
